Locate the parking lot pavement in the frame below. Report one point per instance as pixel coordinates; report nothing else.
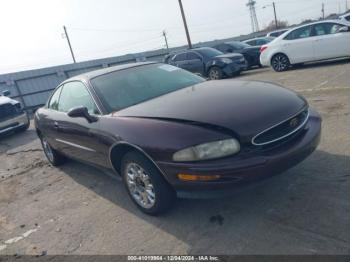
(76, 209)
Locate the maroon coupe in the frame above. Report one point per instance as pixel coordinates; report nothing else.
(168, 132)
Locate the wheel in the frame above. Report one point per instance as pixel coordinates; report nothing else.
(280, 63)
(54, 157)
(145, 184)
(215, 73)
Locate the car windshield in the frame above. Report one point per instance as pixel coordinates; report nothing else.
(209, 52)
(128, 87)
(239, 45)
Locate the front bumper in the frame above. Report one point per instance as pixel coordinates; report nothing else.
(235, 68)
(14, 123)
(244, 168)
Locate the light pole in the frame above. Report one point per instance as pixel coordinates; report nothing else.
(166, 40)
(70, 47)
(274, 11)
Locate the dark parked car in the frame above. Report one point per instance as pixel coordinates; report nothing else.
(250, 53)
(259, 41)
(277, 33)
(168, 132)
(208, 62)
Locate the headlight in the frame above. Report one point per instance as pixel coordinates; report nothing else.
(206, 151)
(226, 60)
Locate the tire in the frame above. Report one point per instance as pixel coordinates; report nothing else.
(280, 63)
(27, 125)
(145, 184)
(54, 157)
(215, 73)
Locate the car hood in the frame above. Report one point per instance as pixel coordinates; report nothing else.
(253, 49)
(6, 100)
(243, 107)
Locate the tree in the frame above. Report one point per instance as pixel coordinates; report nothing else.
(272, 25)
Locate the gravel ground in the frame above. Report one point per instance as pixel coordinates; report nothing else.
(77, 209)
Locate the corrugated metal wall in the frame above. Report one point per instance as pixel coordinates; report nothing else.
(32, 88)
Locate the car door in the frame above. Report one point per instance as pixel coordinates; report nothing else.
(329, 42)
(77, 137)
(48, 118)
(298, 45)
(180, 60)
(194, 63)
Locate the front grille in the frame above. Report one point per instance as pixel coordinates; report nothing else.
(282, 130)
(7, 111)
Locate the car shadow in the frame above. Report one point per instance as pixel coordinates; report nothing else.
(292, 199)
(318, 64)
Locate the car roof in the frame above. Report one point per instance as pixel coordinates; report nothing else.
(310, 24)
(321, 22)
(95, 73)
(257, 38)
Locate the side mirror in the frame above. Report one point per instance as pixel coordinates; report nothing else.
(344, 29)
(81, 111)
(6, 93)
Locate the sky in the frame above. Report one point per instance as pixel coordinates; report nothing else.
(32, 30)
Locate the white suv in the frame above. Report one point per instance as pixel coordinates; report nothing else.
(313, 42)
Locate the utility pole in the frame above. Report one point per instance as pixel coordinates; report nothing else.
(322, 11)
(185, 25)
(70, 47)
(274, 10)
(346, 6)
(166, 40)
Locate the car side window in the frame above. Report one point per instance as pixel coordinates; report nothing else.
(220, 47)
(192, 56)
(180, 57)
(75, 94)
(326, 29)
(299, 33)
(53, 103)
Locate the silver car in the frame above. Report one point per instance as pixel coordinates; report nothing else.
(12, 115)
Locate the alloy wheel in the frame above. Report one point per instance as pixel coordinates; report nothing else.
(214, 74)
(280, 63)
(140, 185)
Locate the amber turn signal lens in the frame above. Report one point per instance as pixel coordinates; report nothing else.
(185, 177)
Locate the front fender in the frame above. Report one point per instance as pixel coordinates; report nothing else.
(211, 63)
(160, 139)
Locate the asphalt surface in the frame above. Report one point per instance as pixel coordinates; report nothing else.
(77, 209)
